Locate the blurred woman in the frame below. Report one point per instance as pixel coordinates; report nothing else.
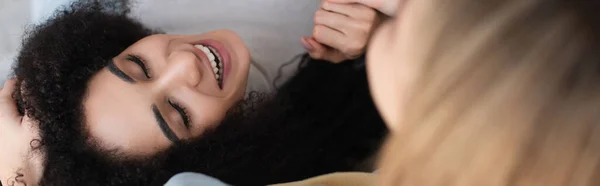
(502, 92)
(492, 92)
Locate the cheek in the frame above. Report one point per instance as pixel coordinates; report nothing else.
(132, 133)
(207, 114)
(387, 77)
(385, 90)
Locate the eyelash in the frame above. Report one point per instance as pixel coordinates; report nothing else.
(138, 60)
(183, 111)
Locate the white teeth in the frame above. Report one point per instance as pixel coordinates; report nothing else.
(202, 48)
(211, 57)
(217, 54)
(208, 51)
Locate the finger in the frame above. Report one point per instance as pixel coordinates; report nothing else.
(8, 109)
(8, 106)
(387, 7)
(329, 37)
(323, 52)
(335, 21)
(372, 3)
(340, 42)
(357, 11)
(314, 49)
(8, 88)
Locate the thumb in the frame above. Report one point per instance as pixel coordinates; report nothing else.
(8, 88)
(323, 52)
(8, 107)
(315, 49)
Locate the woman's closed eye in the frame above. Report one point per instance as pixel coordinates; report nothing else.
(182, 112)
(141, 63)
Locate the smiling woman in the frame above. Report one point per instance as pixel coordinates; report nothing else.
(116, 104)
(166, 88)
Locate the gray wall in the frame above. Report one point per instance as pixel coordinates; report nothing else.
(15, 16)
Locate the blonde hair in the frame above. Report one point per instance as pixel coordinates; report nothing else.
(508, 95)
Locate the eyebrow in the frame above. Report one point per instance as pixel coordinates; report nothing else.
(164, 127)
(119, 73)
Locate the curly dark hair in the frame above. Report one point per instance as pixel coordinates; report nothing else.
(322, 120)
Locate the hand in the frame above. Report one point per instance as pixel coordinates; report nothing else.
(8, 106)
(388, 7)
(14, 137)
(341, 32)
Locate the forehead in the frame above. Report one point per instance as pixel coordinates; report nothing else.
(153, 42)
(120, 116)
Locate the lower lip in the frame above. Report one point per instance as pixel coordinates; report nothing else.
(225, 56)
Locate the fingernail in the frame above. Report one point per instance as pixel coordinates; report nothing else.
(305, 43)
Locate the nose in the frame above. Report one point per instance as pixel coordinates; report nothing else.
(181, 69)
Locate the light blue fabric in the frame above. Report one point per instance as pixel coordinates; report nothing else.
(193, 179)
